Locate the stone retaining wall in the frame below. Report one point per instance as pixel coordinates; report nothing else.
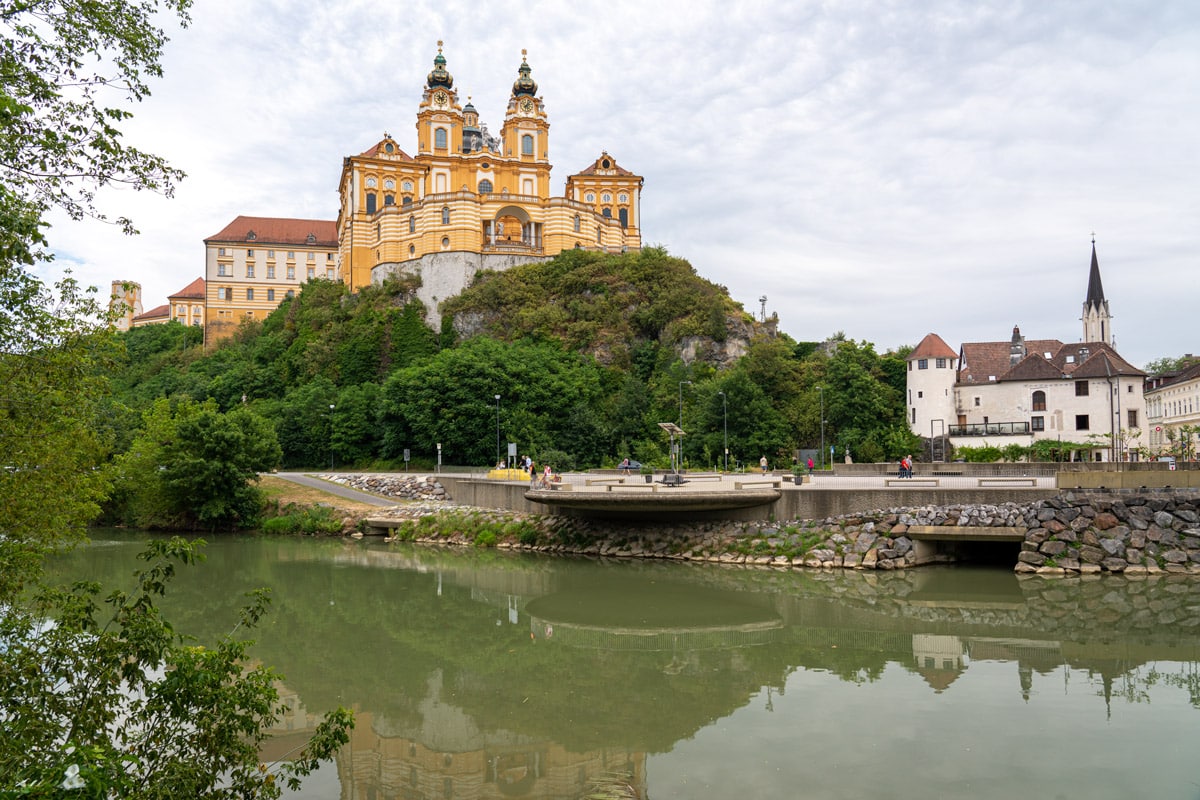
(1130, 531)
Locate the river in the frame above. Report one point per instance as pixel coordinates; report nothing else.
(483, 674)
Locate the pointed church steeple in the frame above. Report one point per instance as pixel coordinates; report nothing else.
(1097, 322)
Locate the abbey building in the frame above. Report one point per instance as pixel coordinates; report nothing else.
(468, 200)
(465, 200)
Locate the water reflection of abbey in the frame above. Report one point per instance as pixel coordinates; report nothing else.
(750, 630)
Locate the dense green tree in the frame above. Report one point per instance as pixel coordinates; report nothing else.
(193, 466)
(451, 399)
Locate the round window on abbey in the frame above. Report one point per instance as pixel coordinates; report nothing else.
(445, 242)
(372, 183)
(389, 148)
(389, 184)
(589, 198)
(411, 249)
(606, 164)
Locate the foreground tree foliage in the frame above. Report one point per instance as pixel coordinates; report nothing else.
(103, 699)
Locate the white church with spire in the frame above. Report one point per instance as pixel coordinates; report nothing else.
(1021, 390)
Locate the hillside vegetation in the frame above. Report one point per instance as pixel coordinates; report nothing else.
(588, 352)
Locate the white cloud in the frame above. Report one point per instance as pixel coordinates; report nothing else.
(884, 169)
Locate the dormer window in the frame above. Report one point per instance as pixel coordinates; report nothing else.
(389, 148)
(311, 239)
(251, 236)
(606, 164)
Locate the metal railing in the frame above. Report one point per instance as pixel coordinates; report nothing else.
(989, 429)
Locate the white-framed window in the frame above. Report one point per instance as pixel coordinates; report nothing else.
(439, 138)
(312, 273)
(622, 198)
(606, 198)
(271, 271)
(312, 256)
(329, 273)
(270, 295)
(590, 197)
(372, 183)
(291, 254)
(407, 186)
(222, 271)
(249, 294)
(249, 270)
(389, 184)
(270, 254)
(220, 251)
(291, 273)
(527, 145)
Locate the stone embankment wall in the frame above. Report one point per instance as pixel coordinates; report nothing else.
(1135, 532)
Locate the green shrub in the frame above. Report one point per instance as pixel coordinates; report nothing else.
(309, 520)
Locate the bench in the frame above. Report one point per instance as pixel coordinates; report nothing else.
(692, 476)
(652, 487)
(602, 481)
(1023, 481)
(774, 484)
(911, 481)
(948, 473)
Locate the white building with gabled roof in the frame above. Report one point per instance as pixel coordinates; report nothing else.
(1022, 390)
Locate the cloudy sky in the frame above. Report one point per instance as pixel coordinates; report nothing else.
(885, 169)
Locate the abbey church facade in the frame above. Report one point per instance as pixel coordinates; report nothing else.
(465, 200)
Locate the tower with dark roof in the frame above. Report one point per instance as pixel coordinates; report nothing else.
(1097, 322)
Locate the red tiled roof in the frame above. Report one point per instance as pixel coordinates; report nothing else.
(932, 346)
(595, 168)
(157, 311)
(981, 362)
(1101, 361)
(275, 230)
(377, 149)
(1033, 367)
(193, 291)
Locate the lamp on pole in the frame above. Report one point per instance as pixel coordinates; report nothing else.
(497, 430)
(681, 383)
(331, 407)
(821, 393)
(725, 418)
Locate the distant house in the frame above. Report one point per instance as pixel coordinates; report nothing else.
(185, 306)
(1173, 410)
(1022, 390)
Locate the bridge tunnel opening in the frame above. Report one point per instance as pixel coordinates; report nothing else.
(986, 554)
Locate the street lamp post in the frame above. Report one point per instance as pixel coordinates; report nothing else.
(725, 418)
(821, 392)
(679, 464)
(497, 430)
(331, 407)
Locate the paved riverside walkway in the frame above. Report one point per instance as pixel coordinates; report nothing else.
(307, 479)
(718, 482)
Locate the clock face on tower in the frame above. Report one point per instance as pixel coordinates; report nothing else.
(441, 98)
(527, 105)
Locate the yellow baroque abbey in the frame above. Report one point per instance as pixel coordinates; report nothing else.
(469, 200)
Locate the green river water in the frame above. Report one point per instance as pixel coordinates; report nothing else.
(485, 674)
